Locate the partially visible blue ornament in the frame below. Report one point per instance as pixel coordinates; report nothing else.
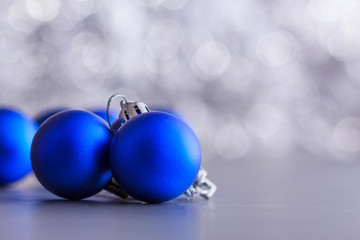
(46, 114)
(167, 110)
(102, 113)
(16, 133)
(155, 157)
(70, 154)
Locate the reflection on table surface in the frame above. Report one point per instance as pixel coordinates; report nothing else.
(290, 199)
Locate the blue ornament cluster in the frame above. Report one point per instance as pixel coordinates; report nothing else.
(152, 156)
(17, 131)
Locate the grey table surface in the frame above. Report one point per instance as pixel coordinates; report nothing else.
(257, 198)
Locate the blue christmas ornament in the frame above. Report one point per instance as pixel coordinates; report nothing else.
(155, 156)
(102, 113)
(46, 114)
(16, 133)
(167, 110)
(70, 154)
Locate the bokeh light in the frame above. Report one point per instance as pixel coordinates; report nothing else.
(246, 75)
(347, 134)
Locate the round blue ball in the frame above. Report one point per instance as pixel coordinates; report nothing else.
(16, 134)
(70, 154)
(155, 157)
(102, 113)
(167, 110)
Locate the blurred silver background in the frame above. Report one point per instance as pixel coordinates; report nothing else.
(277, 77)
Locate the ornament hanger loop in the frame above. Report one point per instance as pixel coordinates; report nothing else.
(117, 95)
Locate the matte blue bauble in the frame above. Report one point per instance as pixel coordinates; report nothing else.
(70, 154)
(16, 134)
(166, 110)
(102, 113)
(155, 157)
